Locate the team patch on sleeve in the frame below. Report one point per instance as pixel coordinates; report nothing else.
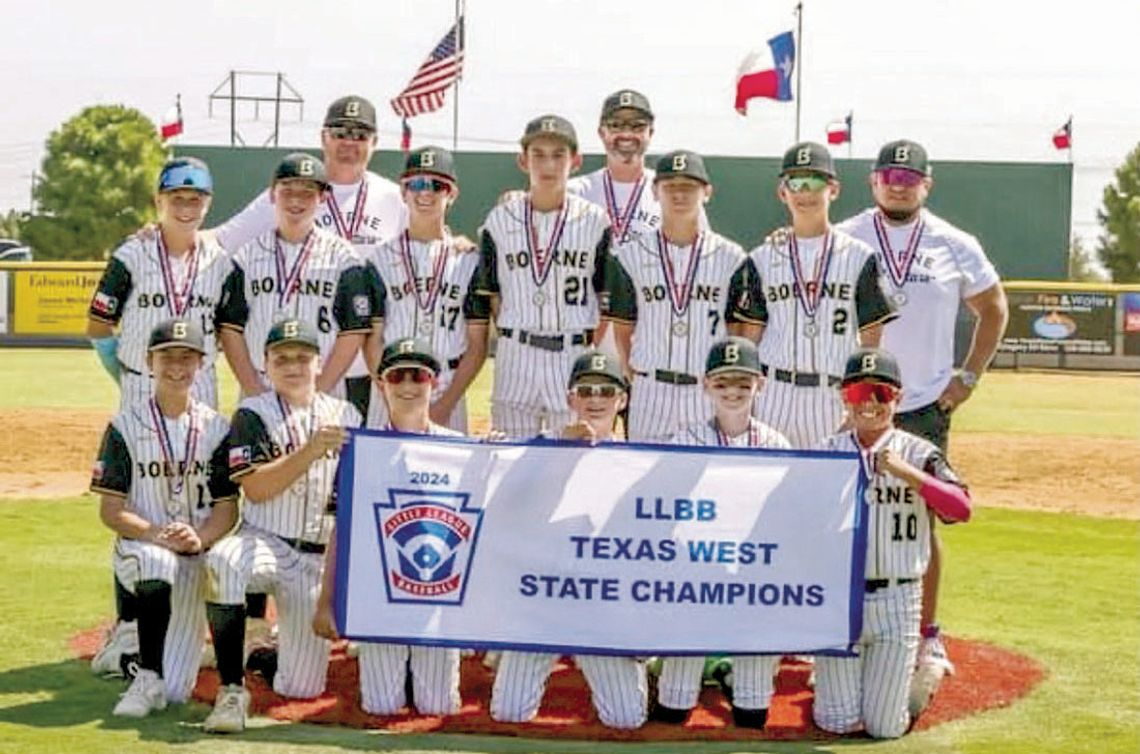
(97, 472)
(241, 455)
(104, 303)
(361, 306)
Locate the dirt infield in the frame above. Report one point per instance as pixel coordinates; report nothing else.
(51, 453)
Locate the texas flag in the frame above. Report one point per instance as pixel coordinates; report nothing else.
(1063, 136)
(767, 74)
(839, 131)
(172, 121)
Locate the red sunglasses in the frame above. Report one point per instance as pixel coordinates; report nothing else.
(398, 374)
(899, 177)
(864, 392)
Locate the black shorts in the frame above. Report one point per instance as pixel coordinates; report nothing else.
(930, 422)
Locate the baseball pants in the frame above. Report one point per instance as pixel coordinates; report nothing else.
(805, 415)
(660, 410)
(137, 388)
(872, 688)
(753, 681)
(384, 669)
(255, 561)
(529, 393)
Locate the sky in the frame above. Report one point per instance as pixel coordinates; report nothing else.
(969, 79)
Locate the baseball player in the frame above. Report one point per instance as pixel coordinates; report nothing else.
(424, 288)
(732, 378)
(406, 375)
(360, 207)
(295, 270)
(822, 298)
(672, 293)
(543, 256)
(618, 685)
(164, 490)
(909, 482)
(931, 268)
(284, 448)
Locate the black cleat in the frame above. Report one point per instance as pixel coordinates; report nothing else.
(263, 661)
(749, 718)
(663, 714)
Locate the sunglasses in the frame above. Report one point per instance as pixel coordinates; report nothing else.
(595, 391)
(899, 177)
(797, 184)
(346, 133)
(397, 375)
(635, 126)
(864, 392)
(435, 185)
(186, 176)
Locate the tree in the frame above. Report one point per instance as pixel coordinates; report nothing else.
(1119, 249)
(1081, 264)
(10, 225)
(97, 183)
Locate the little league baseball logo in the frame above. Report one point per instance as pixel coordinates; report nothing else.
(427, 543)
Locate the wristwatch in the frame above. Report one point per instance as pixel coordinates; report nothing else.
(968, 379)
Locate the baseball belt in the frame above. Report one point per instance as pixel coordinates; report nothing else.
(545, 342)
(870, 586)
(671, 378)
(800, 379)
(309, 548)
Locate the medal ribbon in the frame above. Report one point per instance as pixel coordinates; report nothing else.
(166, 445)
(898, 266)
(753, 435)
(540, 261)
(343, 229)
(867, 455)
(679, 294)
(178, 301)
(620, 220)
(287, 414)
(427, 304)
(287, 282)
(809, 297)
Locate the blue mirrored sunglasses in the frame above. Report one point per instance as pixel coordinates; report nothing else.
(423, 183)
(186, 176)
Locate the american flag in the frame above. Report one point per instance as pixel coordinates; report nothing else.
(424, 93)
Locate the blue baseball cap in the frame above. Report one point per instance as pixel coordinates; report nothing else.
(185, 173)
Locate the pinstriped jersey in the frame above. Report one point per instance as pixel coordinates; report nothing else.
(266, 427)
(321, 280)
(812, 323)
(898, 524)
(681, 303)
(142, 286)
(426, 290)
(560, 293)
(759, 435)
(169, 470)
(643, 217)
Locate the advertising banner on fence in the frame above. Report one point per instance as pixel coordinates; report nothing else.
(3, 302)
(1131, 305)
(612, 549)
(52, 301)
(1049, 321)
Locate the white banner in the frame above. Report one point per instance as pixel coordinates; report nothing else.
(620, 549)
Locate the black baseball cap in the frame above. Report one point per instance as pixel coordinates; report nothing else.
(185, 173)
(303, 166)
(810, 156)
(626, 98)
(599, 364)
(550, 125)
(177, 333)
(906, 154)
(352, 110)
(682, 163)
(292, 331)
(408, 352)
(430, 161)
(872, 364)
(733, 354)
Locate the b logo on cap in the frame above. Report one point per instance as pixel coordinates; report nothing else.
(680, 162)
(179, 330)
(548, 124)
(731, 353)
(427, 159)
(305, 167)
(902, 153)
(625, 99)
(407, 346)
(352, 108)
(803, 156)
(291, 329)
(598, 362)
(869, 363)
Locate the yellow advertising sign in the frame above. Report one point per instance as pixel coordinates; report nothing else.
(52, 301)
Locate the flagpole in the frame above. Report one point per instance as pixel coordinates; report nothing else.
(799, 60)
(850, 132)
(1070, 138)
(455, 87)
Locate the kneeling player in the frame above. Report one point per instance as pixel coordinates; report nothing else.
(166, 514)
(284, 447)
(406, 377)
(618, 684)
(909, 481)
(732, 380)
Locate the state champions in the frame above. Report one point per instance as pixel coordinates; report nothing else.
(669, 591)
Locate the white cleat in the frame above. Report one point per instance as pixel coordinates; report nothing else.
(122, 639)
(230, 711)
(933, 665)
(146, 693)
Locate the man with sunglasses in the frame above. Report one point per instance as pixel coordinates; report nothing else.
(909, 483)
(618, 685)
(672, 293)
(284, 453)
(822, 299)
(931, 268)
(424, 289)
(406, 375)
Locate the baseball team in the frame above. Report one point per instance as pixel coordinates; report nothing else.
(341, 299)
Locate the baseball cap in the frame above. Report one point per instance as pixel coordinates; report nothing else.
(408, 352)
(292, 331)
(734, 354)
(550, 125)
(872, 364)
(626, 98)
(810, 156)
(432, 161)
(599, 364)
(903, 153)
(682, 164)
(303, 166)
(185, 173)
(177, 333)
(351, 111)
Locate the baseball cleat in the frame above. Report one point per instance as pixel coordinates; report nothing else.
(230, 711)
(933, 665)
(147, 692)
(122, 639)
